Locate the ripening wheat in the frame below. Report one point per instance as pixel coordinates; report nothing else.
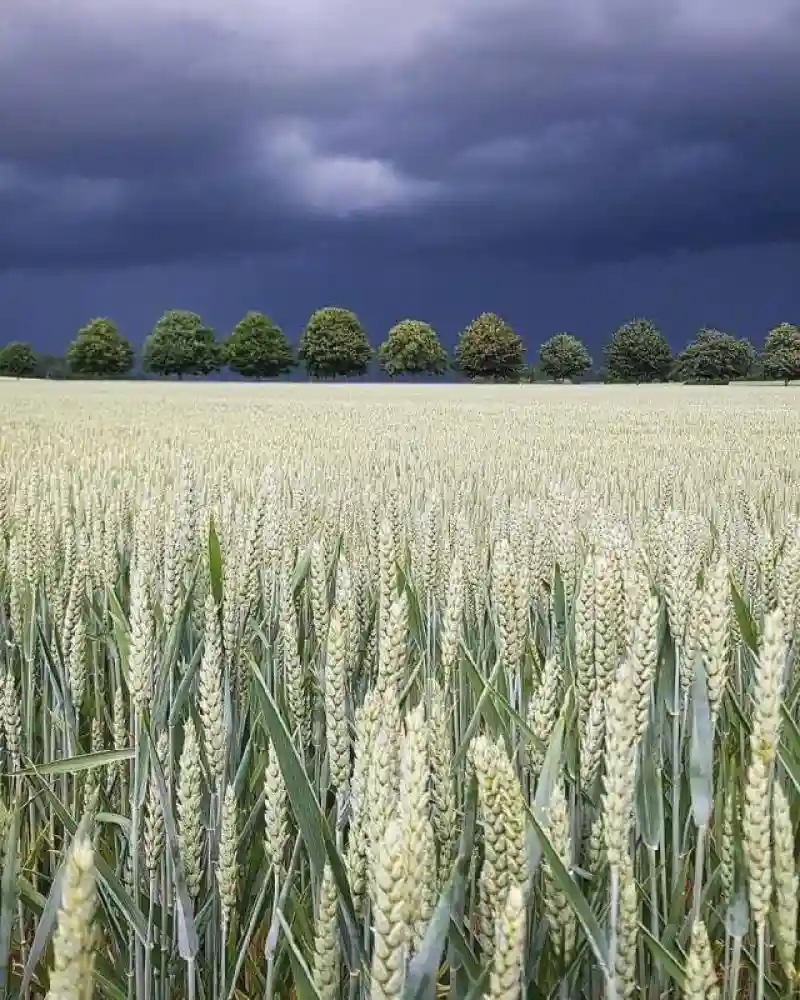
(378, 693)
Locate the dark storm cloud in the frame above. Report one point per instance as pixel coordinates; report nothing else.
(581, 130)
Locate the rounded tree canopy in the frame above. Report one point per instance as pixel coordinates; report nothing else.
(412, 348)
(17, 359)
(100, 350)
(489, 348)
(638, 352)
(180, 344)
(258, 348)
(564, 356)
(714, 356)
(781, 357)
(334, 343)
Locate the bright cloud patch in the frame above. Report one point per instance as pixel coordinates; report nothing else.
(338, 184)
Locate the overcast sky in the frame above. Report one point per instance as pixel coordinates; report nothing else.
(565, 163)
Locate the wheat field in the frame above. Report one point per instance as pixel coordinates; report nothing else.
(345, 692)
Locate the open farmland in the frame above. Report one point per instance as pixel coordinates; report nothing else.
(345, 692)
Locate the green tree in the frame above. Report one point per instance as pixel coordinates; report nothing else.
(564, 356)
(100, 350)
(334, 343)
(258, 348)
(488, 348)
(412, 348)
(638, 352)
(714, 356)
(781, 355)
(17, 359)
(181, 344)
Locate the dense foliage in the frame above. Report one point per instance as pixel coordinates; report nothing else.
(564, 357)
(181, 344)
(714, 356)
(17, 359)
(638, 352)
(412, 348)
(100, 350)
(258, 348)
(489, 349)
(334, 343)
(781, 357)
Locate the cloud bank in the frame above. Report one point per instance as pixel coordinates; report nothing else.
(571, 130)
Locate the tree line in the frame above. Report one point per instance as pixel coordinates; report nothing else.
(334, 343)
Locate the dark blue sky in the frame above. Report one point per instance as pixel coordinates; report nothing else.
(565, 163)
